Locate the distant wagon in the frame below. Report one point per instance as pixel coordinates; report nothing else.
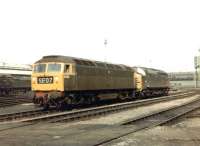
(15, 79)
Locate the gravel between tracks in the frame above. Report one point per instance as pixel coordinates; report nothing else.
(81, 133)
(185, 133)
(120, 117)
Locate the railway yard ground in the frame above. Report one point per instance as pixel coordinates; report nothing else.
(164, 123)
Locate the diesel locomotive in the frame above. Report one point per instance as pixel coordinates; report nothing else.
(62, 81)
(151, 82)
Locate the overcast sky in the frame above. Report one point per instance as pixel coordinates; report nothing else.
(163, 34)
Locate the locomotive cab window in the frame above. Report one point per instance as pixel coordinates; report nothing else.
(66, 70)
(39, 68)
(54, 67)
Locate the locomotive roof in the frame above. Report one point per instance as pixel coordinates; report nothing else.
(151, 70)
(80, 61)
(56, 58)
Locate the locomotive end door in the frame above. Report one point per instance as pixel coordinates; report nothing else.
(138, 81)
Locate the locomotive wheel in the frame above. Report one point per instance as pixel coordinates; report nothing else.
(68, 100)
(34, 100)
(46, 106)
(61, 106)
(93, 100)
(41, 102)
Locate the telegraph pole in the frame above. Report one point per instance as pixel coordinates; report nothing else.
(196, 78)
(105, 45)
(195, 74)
(197, 66)
(105, 42)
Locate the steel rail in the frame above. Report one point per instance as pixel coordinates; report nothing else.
(102, 110)
(9, 101)
(24, 114)
(39, 112)
(47, 118)
(158, 118)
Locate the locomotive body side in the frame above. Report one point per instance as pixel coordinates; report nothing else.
(156, 79)
(103, 78)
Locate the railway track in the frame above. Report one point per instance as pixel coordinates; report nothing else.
(12, 100)
(102, 110)
(32, 117)
(158, 118)
(33, 114)
(25, 114)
